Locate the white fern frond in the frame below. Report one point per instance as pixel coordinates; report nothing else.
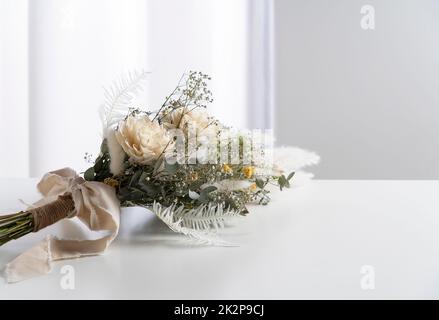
(205, 217)
(168, 216)
(291, 159)
(118, 98)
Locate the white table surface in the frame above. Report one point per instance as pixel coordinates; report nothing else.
(310, 242)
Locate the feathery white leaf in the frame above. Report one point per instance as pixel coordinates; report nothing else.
(205, 217)
(291, 159)
(118, 98)
(169, 216)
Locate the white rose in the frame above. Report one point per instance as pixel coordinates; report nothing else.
(197, 119)
(143, 140)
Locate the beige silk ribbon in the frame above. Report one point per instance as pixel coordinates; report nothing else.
(96, 205)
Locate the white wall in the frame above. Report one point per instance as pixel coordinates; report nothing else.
(367, 101)
(56, 55)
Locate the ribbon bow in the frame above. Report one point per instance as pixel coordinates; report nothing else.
(96, 205)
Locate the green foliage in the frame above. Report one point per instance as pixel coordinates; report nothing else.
(204, 195)
(284, 182)
(101, 168)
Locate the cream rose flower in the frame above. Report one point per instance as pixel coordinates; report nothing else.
(143, 140)
(198, 119)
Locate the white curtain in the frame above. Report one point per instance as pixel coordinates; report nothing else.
(14, 119)
(55, 56)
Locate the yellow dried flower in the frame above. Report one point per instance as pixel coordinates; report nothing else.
(253, 187)
(111, 182)
(193, 176)
(227, 168)
(248, 171)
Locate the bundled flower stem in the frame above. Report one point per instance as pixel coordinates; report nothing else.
(14, 226)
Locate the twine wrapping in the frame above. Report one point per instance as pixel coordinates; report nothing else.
(48, 214)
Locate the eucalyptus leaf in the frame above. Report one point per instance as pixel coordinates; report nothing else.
(89, 174)
(135, 178)
(260, 183)
(98, 165)
(150, 189)
(134, 195)
(290, 176)
(204, 195)
(209, 189)
(104, 146)
(283, 182)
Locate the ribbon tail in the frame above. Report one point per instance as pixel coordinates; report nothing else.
(32, 263)
(37, 261)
